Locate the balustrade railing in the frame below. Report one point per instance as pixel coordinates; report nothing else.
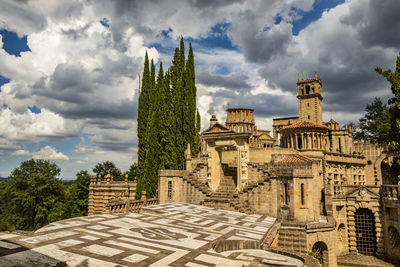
(390, 192)
(121, 206)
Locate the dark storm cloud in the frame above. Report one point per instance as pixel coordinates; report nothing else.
(113, 144)
(261, 45)
(233, 81)
(95, 109)
(105, 123)
(377, 22)
(264, 105)
(20, 17)
(75, 34)
(213, 3)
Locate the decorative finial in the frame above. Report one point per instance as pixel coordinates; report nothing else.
(316, 74)
(298, 77)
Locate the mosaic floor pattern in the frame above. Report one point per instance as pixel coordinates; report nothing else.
(176, 234)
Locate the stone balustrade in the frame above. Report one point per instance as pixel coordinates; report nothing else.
(122, 206)
(390, 192)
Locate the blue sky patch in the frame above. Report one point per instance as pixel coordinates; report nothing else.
(216, 38)
(3, 80)
(13, 44)
(35, 109)
(105, 22)
(319, 7)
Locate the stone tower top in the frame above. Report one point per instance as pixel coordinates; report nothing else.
(240, 120)
(309, 95)
(213, 120)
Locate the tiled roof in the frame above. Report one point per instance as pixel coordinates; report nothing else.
(296, 158)
(305, 125)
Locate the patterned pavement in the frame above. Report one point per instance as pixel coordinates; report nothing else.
(176, 234)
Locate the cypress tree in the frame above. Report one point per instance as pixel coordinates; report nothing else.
(142, 120)
(167, 119)
(153, 144)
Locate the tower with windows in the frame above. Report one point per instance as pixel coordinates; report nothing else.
(309, 97)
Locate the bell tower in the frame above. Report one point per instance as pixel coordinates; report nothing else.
(309, 97)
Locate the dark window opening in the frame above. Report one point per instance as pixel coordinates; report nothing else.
(302, 193)
(340, 145)
(286, 196)
(313, 90)
(302, 91)
(308, 104)
(299, 143)
(308, 117)
(307, 89)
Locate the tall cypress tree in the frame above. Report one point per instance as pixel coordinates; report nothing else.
(153, 143)
(142, 120)
(170, 120)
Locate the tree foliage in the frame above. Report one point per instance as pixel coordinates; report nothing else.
(167, 118)
(32, 197)
(107, 167)
(77, 196)
(393, 77)
(374, 127)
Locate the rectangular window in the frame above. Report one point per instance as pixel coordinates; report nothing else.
(169, 189)
(302, 193)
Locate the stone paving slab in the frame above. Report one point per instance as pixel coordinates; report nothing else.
(175, 234)
(362, 261)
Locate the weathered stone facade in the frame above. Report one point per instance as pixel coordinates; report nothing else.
(310, 175)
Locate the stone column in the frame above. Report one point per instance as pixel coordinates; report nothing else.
(351, 228)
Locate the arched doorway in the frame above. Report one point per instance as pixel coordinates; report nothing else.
(365, 231)
(318, 250)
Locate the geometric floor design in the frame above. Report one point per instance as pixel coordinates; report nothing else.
(175, 234)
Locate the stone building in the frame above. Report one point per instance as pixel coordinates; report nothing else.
(328, 192)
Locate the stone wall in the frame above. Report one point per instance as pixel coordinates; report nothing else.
(104, 190)
(391, 214)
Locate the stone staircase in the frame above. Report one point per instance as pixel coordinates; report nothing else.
(226, 196)
(293, 237)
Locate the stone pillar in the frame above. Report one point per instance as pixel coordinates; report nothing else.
(295, 141)
(351, 227)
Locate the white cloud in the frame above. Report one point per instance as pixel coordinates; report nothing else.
(30, 126)
(21, 152)
(49, 153)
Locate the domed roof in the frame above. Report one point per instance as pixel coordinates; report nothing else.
(305, 125)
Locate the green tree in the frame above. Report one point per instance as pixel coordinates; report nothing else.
(375, 125)
(132, 172)
(153, 144)
(172, 118)
(107, 167)
(32, 197)
(394, 79)
(144, 106)
(77, 195)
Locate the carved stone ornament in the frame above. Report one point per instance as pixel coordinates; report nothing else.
(362, 192)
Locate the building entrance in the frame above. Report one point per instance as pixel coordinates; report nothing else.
(365, 231)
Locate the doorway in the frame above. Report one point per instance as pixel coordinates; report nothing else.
(365, 231)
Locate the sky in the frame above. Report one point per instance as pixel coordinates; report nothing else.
(69, 70)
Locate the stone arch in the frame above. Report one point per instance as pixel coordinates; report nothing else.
(320, 251)
(393, 239)
(341, 235)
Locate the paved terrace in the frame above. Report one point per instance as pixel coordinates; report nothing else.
(175, 234)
